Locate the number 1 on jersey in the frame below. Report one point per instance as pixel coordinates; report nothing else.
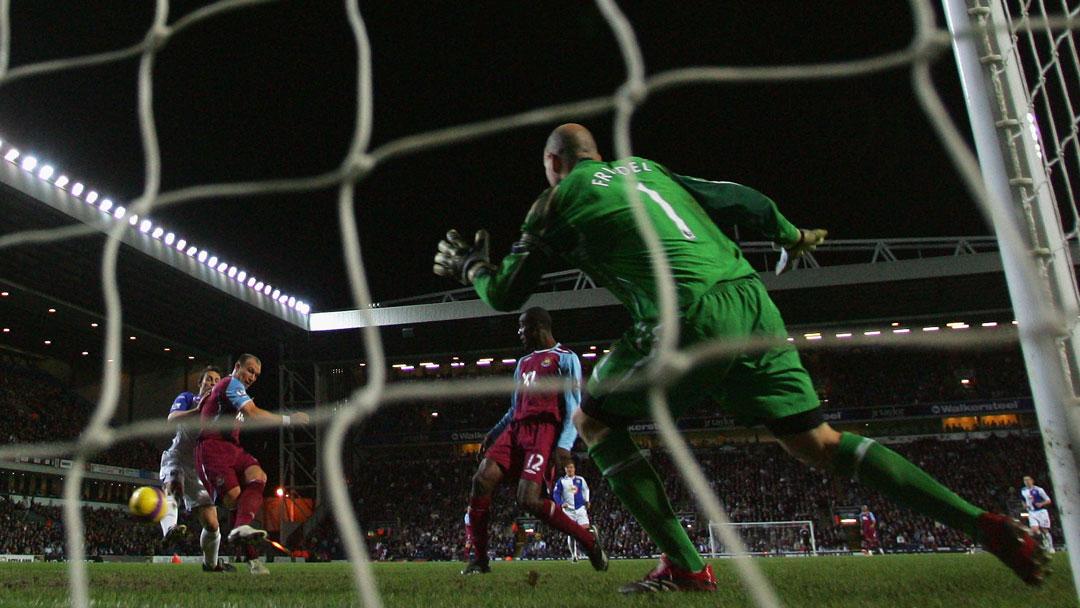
(669, 211)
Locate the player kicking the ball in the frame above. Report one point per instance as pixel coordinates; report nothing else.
(178, 476)
(520, 445)
(230, 474)
(586, 219)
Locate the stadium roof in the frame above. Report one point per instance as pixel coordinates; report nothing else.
(162, 306)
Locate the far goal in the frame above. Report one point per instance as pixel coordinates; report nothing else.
(766, 538)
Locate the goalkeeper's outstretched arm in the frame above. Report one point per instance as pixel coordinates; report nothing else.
(728, 203)
(507, 286)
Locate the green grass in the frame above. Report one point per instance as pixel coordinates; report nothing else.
(953, 581)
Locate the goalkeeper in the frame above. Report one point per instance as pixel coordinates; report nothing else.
(585, 218)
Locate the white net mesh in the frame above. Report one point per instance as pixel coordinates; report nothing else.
(1050, 65)
(928, 44)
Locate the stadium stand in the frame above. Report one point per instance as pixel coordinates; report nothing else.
(416, 512)
(41, 408)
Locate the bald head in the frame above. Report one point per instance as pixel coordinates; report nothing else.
(566, 145)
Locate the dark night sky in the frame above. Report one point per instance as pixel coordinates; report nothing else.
(269, 92)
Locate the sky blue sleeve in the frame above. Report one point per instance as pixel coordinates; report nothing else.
(237, 395)
(570, 367)
(503, 422)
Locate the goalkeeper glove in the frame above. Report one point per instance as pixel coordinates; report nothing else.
(459, 260)
(809, 239)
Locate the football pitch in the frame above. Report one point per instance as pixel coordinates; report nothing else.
(952, 581)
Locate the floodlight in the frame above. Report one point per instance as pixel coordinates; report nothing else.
(46, 172)
(92, 196)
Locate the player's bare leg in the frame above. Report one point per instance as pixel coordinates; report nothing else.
(530, 497)
(487, 477)
(641, 491)
(169, 528)
(894, 476)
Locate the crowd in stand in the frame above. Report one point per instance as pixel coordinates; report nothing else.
(29, 527)
(861, 377)
(858, 377)
(38, 408)
(419, 502)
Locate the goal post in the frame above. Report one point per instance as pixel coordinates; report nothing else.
(1029, 182)
(765, 537)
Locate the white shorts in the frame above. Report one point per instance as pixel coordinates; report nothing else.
(1039, 518)
(581, 516)
(175, 470)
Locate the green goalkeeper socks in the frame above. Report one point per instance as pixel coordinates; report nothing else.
(894, 476)
(637, 485)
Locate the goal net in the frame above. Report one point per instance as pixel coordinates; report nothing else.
(764, 538)
(1049, 35)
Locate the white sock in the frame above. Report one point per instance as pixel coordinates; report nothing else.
(210, 541)
(170, 518)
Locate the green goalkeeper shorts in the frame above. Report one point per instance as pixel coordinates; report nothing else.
(769, 387)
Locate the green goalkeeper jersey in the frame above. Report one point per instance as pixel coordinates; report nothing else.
(587, 220)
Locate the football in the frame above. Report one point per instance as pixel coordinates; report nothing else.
(148, 503)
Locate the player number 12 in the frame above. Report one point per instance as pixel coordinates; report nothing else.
(534, 463)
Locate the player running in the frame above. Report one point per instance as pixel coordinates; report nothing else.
(1036, 500)
(520, 445)
(571, 493)
(230, 474)
(178, 476)
(585, 219)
